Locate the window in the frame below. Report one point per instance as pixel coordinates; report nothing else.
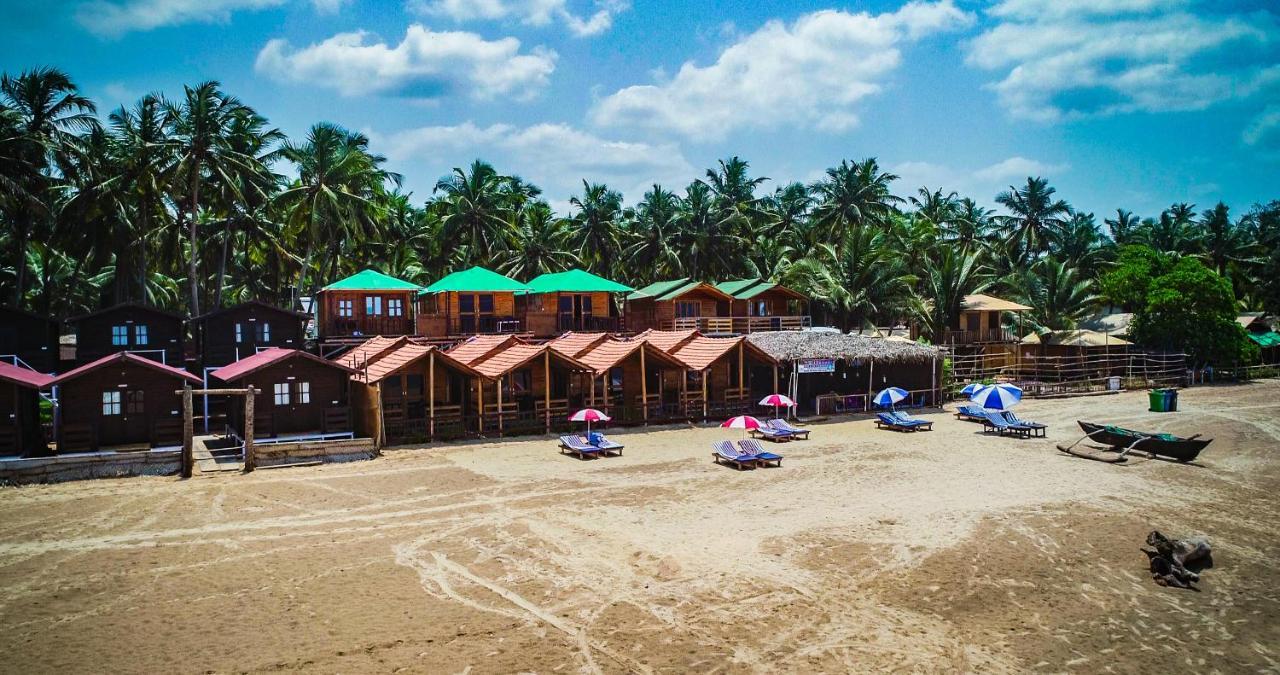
(345, 308)
(262, 332)
(537, 303)
(239, 334)
(687, 309)
(110, 403)
(395, 307)
(373, 305)
(430, 304)
(466, 303)
(140, 334)
(301, 392)
(486, 303)
(133, 402)
(120, 335)
(282, 393)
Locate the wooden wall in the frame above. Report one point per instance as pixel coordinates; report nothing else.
(442, 318)
(329, 324)
(329, 389)
(544, 321)
(217, 333)
(160, 422)
(34, 339)
(20, 403)
(164, 332)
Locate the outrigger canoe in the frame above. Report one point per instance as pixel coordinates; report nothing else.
(1163, 445)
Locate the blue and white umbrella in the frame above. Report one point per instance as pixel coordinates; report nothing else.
(972, 388)
(997, 396)
(889, 396)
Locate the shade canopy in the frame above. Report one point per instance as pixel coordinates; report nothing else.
(972, 388)
(371, 280)
(575, 281)
(741, 422)
(476, 280)
(589, 415)
(777, 401)
(997, 396)
(890, 396)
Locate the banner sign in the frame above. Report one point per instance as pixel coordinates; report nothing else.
(816, 366)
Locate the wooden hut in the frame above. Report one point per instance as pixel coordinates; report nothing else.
(719, 372)
(21, 432)
(130, 327)
(363, 304)
(763, 305)
(1260, 329)
(28, 340)
(829, 372)
(121, 400)
(1070, 343)
(303, 395)
(405, 391)
(576, 300)
(981, 321)
(682, 304)
(475, 301)
(626, 377)
(227, 335)
(524, 386)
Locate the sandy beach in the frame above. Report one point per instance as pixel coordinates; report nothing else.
(938, 551)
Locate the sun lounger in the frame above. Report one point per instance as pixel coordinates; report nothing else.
(725, 453)
(772, 433)
(972, 413)
(607, 446)
(1037, 429)
(577, 445)
(887, 421)
(904, 418)
(783, 425)
(764, 457)
(996, 422)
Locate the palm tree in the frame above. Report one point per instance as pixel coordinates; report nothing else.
(651, 251)
(142, 150)
(1124, 227)
(1174, 231)
(43, 110)
(786, 211)
(1036, 216)
(1059, 298)
(954, 274)
(540, 244)
(1079, 243)
(970, 224)
(1224, 242)
(851, 195)
(936, 207)
(862, 280)
(476, 209)
(595, 226)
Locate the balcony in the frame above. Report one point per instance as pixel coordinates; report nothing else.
(973, 337)
(738, 324)
(339, 326)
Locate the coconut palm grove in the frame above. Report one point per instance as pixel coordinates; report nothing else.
(191, 200)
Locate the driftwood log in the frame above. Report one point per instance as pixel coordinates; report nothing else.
(1177, 562)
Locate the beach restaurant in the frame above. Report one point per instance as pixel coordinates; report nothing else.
(832, 372)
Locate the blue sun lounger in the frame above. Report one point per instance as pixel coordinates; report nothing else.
(972, 413)
(887, 421)
(783, 425)
(609, 447)
(728, 455)
(577, 445)
(904, 418)
(1037, 429)
(763, 457)
(996, 422)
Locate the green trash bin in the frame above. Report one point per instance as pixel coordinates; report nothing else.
(1171, 400)
(1156, 398)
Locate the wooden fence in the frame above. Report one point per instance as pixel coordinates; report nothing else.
(1053, 375)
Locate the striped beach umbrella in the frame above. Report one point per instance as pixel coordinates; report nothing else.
(972, 388)
(743, 422)
(589, 415)
(997, 396)
(777, 400)
(890, 396)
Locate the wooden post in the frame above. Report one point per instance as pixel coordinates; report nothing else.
(431, 395)
(546, 387)
(188, 432)
(644, 388)
(742, 376)
(871, 378)
(250, 455)
(501, 413)
(684, 393)
(592, 397)
(480, 405)
(706, 375)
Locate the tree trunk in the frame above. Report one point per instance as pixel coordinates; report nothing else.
(222, 264)
(192, 271)
(20, 265)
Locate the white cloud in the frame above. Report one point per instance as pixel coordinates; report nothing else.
(113, 19)
(813, 72)
(426, 64)
(554, 156)
(530, 12)
(328, 6)
(1064, 60)
(980, 184)
(1263, 131)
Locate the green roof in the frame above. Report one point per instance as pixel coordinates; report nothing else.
(575, 281)
(1267, 339)
(371, 280)
(745, 289)
(476, 280)
(658, 289)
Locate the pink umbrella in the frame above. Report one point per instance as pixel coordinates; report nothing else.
(776, 400)
(743, 422)
(589, 415)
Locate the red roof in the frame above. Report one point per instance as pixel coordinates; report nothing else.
(269, 357)
(610, 353)
(575, 344)
(369, 351)
(24, 377)
(503, 361)
(667, 340)
(403, 356)
(129, 358)
(477, 347)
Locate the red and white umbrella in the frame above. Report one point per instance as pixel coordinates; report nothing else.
(743, 422)
(777, 400)
(589, 415)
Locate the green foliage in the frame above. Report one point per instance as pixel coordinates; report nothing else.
(1129, 280)
(1191, 309)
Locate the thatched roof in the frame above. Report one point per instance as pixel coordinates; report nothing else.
(792, 345)
(990, 303)
(1075, 338)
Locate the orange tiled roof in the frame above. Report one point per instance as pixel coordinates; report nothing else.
(574, 344)
(369, 351)
(609, 353)
(477, 347)
(700, 352)
(402, 357)
(667, 340)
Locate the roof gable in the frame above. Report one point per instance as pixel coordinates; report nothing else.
(371, 280)
(989, 303)
(125, 357)
(270, 357)
(477, 347)
(252, 303)
(476, 280)
(403, 356)
(575, 281)
(130, 305)
(24, 377)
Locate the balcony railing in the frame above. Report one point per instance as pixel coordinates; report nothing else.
(369, 325)
(589, 324)
(738, 324)
(963, 337)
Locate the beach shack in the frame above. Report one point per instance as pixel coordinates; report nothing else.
(28, 340)
(475, 301)
(303, 396)
(981, 320)
(1072, 355)
(575, 300)
(1260, 329)
(721, 373)
(831, 372)
(763, 305)
(21, 433)
(682, 304)
(364, 304)
(130, 327)
(524, 386)
(406, 391)
(227, 335)
(120, 401)
(626, 377)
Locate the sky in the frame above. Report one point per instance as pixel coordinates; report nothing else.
(1132, 104)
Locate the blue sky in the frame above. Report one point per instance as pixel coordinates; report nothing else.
(1120, 103)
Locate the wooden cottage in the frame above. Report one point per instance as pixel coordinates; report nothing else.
(28, 340)
(627, 376)
(21, 432)
(120, 400)
(524, 386)
(364, 304)
(302, 395)
(576, 300)
(406, 391)
(763, 305)
(475, 301)
(227, 335)
(130, 327)
(981, 321)
(683, 304)
(720, 371)
(1260, 329)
